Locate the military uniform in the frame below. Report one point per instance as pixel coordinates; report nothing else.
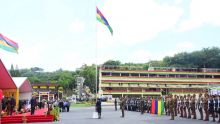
(165, 104)
(205, 104)
(149, 105)
(178, 105)
(216, 106)
(200, 106)
(171, 107)
(123, 106)
(211, 107)
(218, 109)
(188, 106)
(181, 105)
(184, 106)
(193, 106)
(175, 105)
(142, 106)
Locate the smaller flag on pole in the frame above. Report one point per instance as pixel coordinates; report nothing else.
(153, 107)
(159, 108)
(156, 107)
(8, 44)
(100, 17)
(162, 106)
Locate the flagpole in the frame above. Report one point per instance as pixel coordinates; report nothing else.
(96, 55)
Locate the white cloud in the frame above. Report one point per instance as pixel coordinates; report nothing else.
(185, 45)
(27, 56)
(137, 21)
(178, 2)
(78, 26)
(140, 56)
(202, 12)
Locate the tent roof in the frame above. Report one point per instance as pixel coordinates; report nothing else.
(23, 84)
(6, 81)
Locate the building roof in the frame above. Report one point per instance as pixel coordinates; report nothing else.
(23, 84)
(6, 81)
(44, 84)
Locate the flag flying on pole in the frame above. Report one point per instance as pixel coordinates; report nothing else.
(100, 17)
(7, 44)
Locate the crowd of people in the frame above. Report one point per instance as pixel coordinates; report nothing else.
(8, 105)
(184, 106)
(24, 106)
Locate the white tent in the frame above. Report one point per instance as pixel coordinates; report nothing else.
(24, 86)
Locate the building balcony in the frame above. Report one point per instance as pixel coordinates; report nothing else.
(133, 92)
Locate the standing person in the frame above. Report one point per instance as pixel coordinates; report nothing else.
(178, 104)
(181, 106)
(171, 107)
(175, 105)
(200, 106)
(99, 108)
(168, 105)
(8, 106)
(193, 106)
(12, 104)
(165, 104)
(61, 105)
(122, 107)
(211, 107)
(33, 104)
(4, 103)
(216, 106)
(148, 105)
(142, 106)
(67, 106)
(188, 101)
(184, 106)
(115, 104)
(206, 104)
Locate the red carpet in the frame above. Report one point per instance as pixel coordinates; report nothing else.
(39, 116)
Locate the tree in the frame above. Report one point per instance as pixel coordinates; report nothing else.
(112, 62)
(89, 73)
(12, 71)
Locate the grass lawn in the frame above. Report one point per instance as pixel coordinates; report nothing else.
(78, 105)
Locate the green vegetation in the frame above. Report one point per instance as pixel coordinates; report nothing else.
(205, 58)
(67, 79)
(81, 104)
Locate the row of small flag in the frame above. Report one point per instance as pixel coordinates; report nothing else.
(157, 107)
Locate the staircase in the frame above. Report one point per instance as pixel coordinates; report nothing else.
(27, 119)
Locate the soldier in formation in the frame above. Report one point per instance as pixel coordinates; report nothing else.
(186, 106)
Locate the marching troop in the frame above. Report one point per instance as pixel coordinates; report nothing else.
(188, 106)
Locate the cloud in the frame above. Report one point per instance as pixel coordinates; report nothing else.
(27, 56)
(178, 2)
(137, 21)
(140, 56)
(184, 45)
(201, 12)
(78, 26)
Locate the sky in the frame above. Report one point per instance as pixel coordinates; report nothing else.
(54, 34)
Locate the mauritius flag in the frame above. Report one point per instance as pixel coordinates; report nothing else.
(157, 107)
(100, 17)
(8, 44)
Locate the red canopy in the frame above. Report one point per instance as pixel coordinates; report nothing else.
(6, 81)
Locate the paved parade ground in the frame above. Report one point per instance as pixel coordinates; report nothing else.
(109, 116)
